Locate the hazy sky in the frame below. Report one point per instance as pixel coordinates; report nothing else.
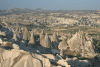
(52, 4)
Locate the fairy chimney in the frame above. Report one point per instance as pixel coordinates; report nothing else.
(32, 39)
(26, 35)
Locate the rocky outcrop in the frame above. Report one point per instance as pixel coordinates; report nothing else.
(27, 61)
(79, 41)
(18, 58)
(76, 42)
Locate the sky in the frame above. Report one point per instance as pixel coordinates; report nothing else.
(51, 4)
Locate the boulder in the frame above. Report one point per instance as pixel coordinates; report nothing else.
(55, 51)
(63, 63)
(85, 63)
(2, 33)
(7, 45)
(15, 46)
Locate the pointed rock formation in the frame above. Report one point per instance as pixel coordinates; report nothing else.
(54, 40)
(80, 41)
(15, 37)
(62, 46)
(89, 46)
(26, 35)
(32, 39)
(47, 42)
(54, 37)
(76, 41)
(42, 36)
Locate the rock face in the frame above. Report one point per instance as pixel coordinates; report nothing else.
(54, 40)
(28, 61)
(89, 46)
(26, 35)
(32, 39)
(45, 61)
(18, 58)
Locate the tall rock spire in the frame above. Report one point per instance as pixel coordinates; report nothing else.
(62, 46)
(54, 40)
(42, 36)
(47, 42)
(32, 39)
(26, 35)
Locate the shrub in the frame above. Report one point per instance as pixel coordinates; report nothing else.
(84, 58)
(78, 55)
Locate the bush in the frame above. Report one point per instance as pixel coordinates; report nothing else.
(74, 51)
(84, 58)
(98, 48)
(99, 43)
(78, 55)
(95, 57)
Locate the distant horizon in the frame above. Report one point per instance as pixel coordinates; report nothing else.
(51, 4)
(36, 8)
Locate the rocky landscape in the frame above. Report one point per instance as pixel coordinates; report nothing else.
(49, 39)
